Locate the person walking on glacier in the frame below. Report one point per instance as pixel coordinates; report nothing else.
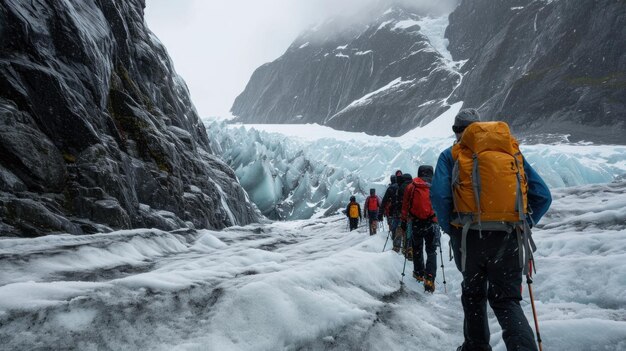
(403, 233)
(487, 197)
(392, 207)
(371, 209)
(353, 212)
(418, 212)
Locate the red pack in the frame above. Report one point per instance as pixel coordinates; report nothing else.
(372, 203)
(416, 201)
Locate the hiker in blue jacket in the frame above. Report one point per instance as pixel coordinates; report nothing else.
(492, 267)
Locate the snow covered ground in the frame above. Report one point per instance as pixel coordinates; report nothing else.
(300, 285)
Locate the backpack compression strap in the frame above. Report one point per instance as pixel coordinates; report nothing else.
(477, 187)
(525, 240)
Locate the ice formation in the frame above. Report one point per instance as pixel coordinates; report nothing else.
(300, 171)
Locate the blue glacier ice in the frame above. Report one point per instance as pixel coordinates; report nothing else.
(304, 171)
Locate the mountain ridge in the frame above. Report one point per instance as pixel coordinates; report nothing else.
(545, 67)
(330, 76)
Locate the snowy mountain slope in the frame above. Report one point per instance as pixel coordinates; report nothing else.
(296, 172)
(97, 131)
(343, 75)
(306, 285)
(546, 67)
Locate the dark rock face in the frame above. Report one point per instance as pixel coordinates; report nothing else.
(545, 67)
(97, 131)
(381, 78)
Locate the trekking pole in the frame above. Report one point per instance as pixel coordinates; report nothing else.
(403, 269)
(443, 270)
(384, 247)
(529, 281)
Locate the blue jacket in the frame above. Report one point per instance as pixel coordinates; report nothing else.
(539, 198)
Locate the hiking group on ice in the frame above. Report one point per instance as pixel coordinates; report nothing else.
(127, 223)
(486, 197)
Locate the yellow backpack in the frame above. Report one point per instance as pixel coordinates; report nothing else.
(354, 211)
(489, 186)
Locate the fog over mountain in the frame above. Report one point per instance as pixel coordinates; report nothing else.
(546, 67)
(128, 223)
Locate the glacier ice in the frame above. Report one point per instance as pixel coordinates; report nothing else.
(302, 171)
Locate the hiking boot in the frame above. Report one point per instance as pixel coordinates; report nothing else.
(396, 249)
(429, 284)
(418, 277)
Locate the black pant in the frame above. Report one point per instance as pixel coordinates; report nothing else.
(373, 221)
(372, 215)
(354, 223)
(394, 224)
(424, 233)
(492, 273)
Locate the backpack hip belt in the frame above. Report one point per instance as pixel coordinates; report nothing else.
(525, 241)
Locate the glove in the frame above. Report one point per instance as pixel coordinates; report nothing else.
(403, 226)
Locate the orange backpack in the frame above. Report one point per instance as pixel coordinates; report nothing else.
(490, 188)
(488, 180)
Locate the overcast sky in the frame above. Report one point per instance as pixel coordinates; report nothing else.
(217, 44)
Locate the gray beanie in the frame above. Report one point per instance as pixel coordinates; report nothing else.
(465, 117)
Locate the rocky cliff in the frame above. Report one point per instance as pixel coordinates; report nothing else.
(97, 131)
(544, 66)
